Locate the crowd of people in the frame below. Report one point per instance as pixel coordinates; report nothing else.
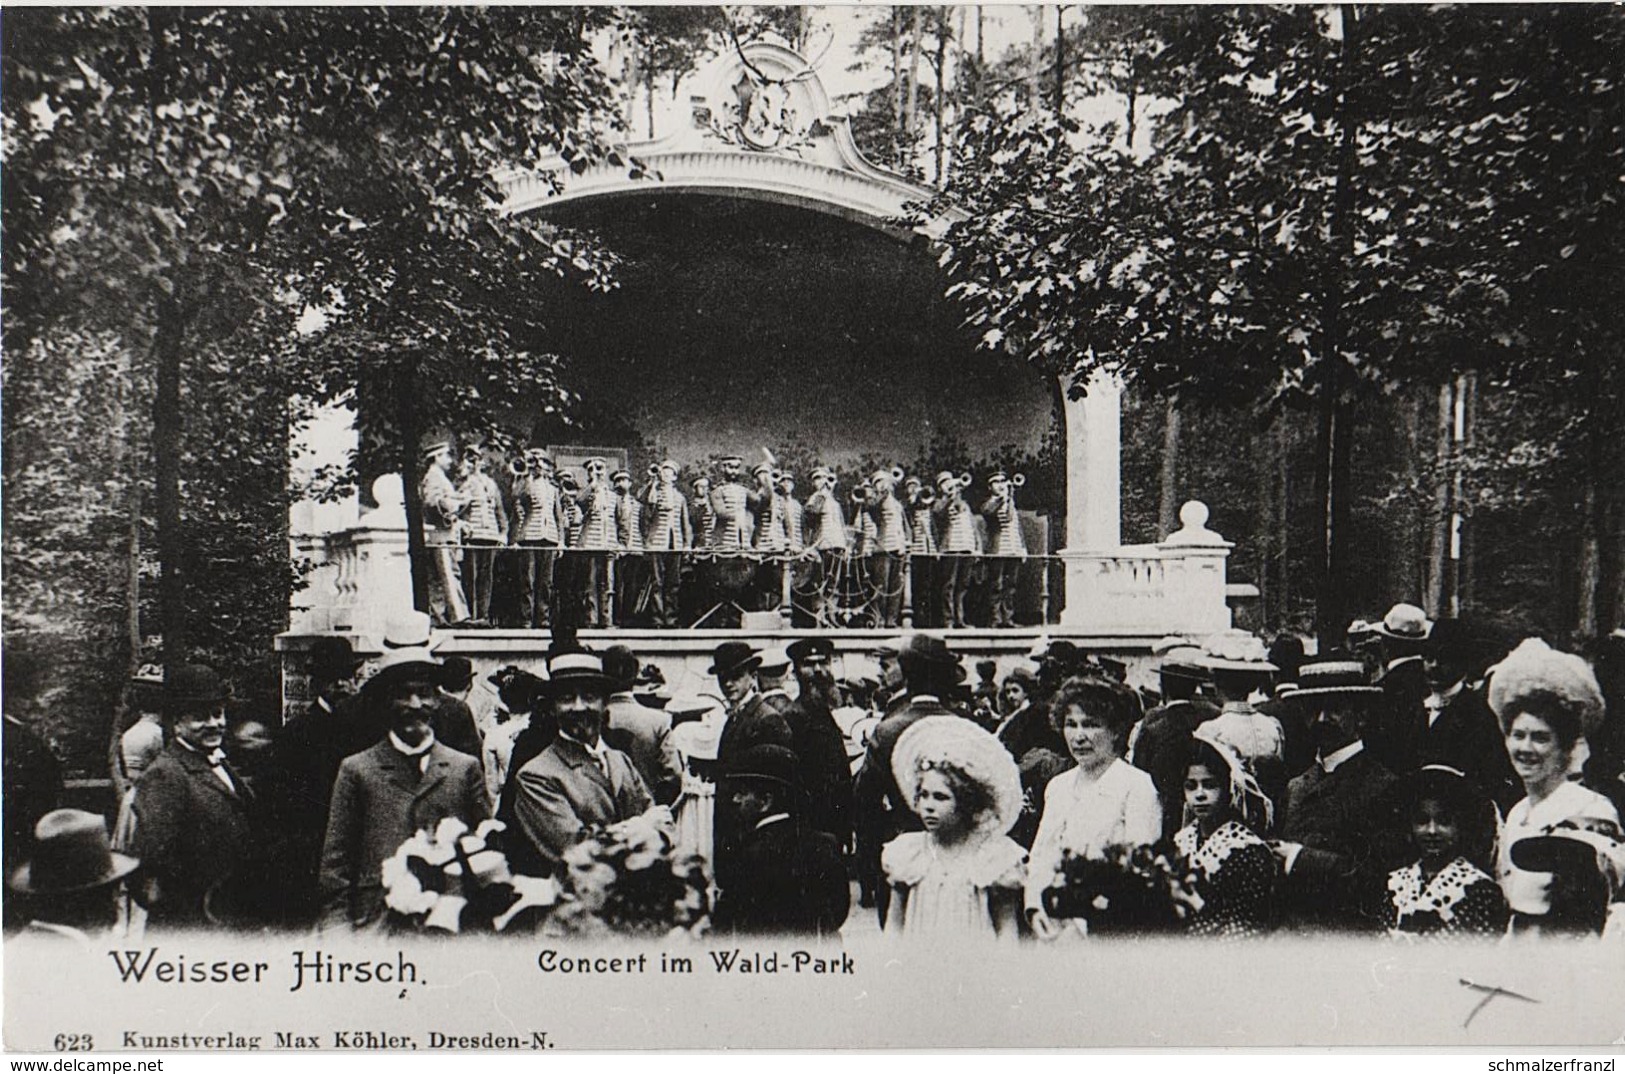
(595, 551)
(1423, 783)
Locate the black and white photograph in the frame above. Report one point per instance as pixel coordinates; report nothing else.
(852, 527)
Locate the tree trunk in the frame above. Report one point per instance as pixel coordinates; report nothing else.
(166, 448)
(1168, 506)
(1461, 547)
(912, 108)
(1060, 59)
(1335, 440)
(942, 63)
(411, 434)
(1436, 594)
(1133, 95)
(649, 95)
(1033, 96)
(1405, 573)
(1263, 524)
(897, 84)
(1282, 537)
(981, 55)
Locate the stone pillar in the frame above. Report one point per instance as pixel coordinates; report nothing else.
(1094, 446)
(328, 438)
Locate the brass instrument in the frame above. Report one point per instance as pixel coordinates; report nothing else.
(518, 467)
(1017, 480)
(653, 471)
(923, 498)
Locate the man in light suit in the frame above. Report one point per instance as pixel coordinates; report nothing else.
(578, 782)
(444, 513)
(192, 809)
(667, 536)
(384, 794)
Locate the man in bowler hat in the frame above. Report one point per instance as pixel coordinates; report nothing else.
(192, 809)
(788, 880)
(751, 722)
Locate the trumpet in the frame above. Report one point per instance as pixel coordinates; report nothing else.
(861, 495)
(518, 467)
(924, 498)
(653, 471)
(1017, 480)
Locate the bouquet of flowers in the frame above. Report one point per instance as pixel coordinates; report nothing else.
(455, 881)
(626, 879)
(1130, 890)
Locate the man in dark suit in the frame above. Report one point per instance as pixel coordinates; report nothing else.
(1342, 831)
(1161, 746)
(1401, 636)
(406, 783)
(1457, 728)
(751, 722)
(789, 879)
(881, 814)
(579, 781)
(819, 745)
(192, 809)
(640, 732)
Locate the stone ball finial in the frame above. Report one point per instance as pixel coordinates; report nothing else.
(387, 491)
(1193, 529)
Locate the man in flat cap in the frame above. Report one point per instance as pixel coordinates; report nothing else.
(444, 510)
(539, 527)
(826, 774)
(405, 783)
(192, 809)
(667, 536)
(579, 781)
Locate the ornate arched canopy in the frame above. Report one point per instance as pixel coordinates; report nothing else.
(760, 125)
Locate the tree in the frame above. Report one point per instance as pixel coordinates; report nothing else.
(1323, 219)
(194, 169)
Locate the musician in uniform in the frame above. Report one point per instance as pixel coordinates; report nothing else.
(443, 511)
(599, 541)
(487, 531)
(791, 511)
(825, 535)
(668, 536)
(959, 543)
(539, 528)
(890, 541)
(735, 529)
(630, 575)
(699, 593)
(770, 537)
(922, 551)
(1007, 547)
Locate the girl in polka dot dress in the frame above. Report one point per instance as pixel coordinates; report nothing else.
(1446, 893)
(1235, 869)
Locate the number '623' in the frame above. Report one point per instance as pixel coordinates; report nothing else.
(75, 1042)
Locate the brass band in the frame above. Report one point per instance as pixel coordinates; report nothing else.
(596, 552)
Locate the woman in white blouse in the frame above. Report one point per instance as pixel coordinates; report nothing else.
(1547, 703)
(1101, 804)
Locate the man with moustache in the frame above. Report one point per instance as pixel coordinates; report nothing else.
(404, 783)
(1342, 832)
(826, 775)
(579, 781)
(192, 808)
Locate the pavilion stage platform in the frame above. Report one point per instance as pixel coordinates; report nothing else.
(684, 656)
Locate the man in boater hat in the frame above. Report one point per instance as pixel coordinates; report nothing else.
(404, 783)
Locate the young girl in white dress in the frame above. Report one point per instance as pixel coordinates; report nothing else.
(962, 876)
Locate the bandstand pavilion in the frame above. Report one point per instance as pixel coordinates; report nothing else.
(761, 142)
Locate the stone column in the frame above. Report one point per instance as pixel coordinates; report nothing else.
(1094, 446)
